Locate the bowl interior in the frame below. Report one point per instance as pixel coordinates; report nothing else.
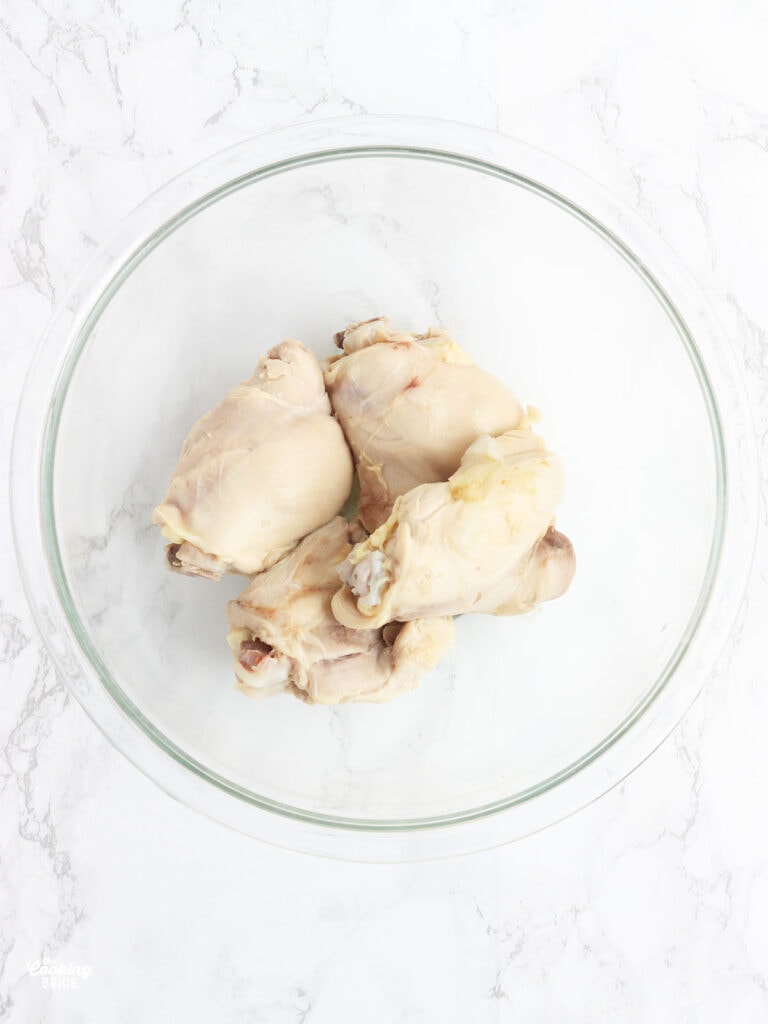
(538, 295)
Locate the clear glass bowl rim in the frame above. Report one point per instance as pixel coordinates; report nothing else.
(89, 678)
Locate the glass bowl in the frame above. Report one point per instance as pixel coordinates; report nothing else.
(548, 282)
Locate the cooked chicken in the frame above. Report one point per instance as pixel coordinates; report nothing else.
(482, 542)
(265, 467)
(410, 406)
(285, 638)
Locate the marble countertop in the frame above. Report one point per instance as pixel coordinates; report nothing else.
(651, 904)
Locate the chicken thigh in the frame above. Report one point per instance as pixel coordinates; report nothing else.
(285, 638)
(265, 467)
(410, 406)
(482, 542)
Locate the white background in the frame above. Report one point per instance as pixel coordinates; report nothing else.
(651, 905)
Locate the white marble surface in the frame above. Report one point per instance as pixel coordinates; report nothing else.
(651, 905)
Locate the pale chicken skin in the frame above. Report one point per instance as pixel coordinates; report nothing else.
(410, 406)
(261, 470)
(481, 542)
(285, 638)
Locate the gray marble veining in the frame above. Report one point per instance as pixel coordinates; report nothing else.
(651, 905)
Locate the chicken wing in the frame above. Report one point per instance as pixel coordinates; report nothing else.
(285, 638)
(410, 406)
(265, 467)
(482, 542)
